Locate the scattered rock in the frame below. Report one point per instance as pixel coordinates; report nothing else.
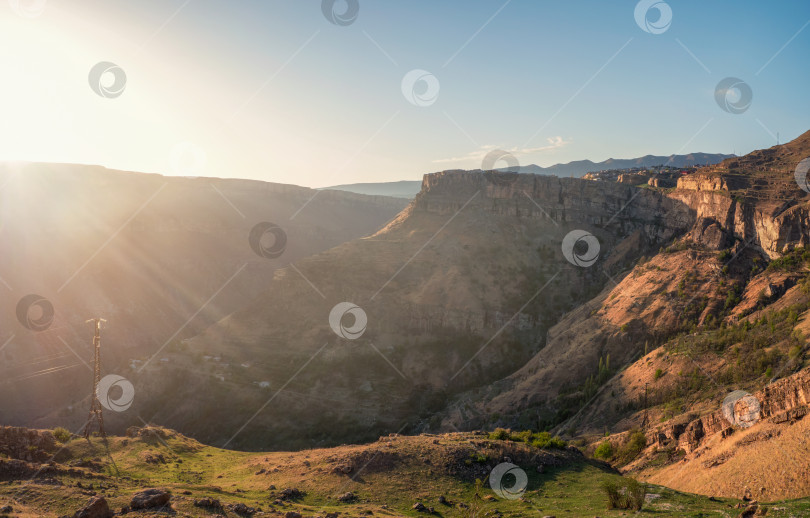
(261, 472)
(150, 498)
(292, 514)
(347, 497)
(153, 458)
(291, 493)
(242, 509)
(6, 509)
(422, 508)
(443, 500)
(208, 503)
(97, 508)
(344, 469)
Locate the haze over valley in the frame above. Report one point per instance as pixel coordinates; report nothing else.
(341, 259)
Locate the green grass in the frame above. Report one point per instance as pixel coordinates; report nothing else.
(571, 491)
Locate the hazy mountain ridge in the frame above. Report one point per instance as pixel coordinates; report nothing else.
(581, 167)
(159, 257)
(410, 188)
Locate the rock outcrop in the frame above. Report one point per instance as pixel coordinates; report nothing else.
(755, 198)
(785, 400)
(26, 444)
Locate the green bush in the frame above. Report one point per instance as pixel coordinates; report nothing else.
(604, 451)
(537, 439)
(62, 434)
(792, 261)
(636, 442)
(658, 374)
(500, 434)
(627, 494)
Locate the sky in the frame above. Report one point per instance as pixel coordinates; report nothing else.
(320, 93)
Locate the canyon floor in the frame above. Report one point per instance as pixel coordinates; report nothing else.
(386, 478)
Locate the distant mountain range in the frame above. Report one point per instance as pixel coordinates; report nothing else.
(401, 189)
(581, 167)
(578, 168)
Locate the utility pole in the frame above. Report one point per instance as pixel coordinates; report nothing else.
(644, 421)
(95, 404)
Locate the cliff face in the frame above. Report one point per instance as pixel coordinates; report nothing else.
(784, 401)
(774, 226)
(756, 447)
(616, 207)
(751, 208)
(756, 198)
(459, 291)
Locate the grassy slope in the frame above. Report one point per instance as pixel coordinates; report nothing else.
(400, 471)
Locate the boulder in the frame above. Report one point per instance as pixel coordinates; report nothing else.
(422, 508)
(150, 498)
(242, 509)
(208, 503)
(291, 493)
(97, 508)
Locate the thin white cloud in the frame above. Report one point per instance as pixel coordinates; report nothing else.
(479, 154)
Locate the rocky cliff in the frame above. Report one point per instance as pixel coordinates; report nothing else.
(458, 291)
(738, 220)
(784, 401)
(755, 198)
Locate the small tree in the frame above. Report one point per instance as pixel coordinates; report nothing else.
(604, 451)
(62, 434)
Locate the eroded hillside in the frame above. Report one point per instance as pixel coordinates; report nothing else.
(159, 258)
(458, 292)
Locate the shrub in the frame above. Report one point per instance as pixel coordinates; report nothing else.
(634, 445)
(544, 440)
(658, 374)
(604, 451)
(627, 494)
(537, 439)
(636, 493)
(500, 434)
(62, 434)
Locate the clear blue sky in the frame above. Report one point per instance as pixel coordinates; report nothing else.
(270, 89)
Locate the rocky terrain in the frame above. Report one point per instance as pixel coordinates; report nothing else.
(153, 471)
(458, 291)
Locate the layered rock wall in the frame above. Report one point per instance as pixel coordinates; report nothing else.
(782, 401)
